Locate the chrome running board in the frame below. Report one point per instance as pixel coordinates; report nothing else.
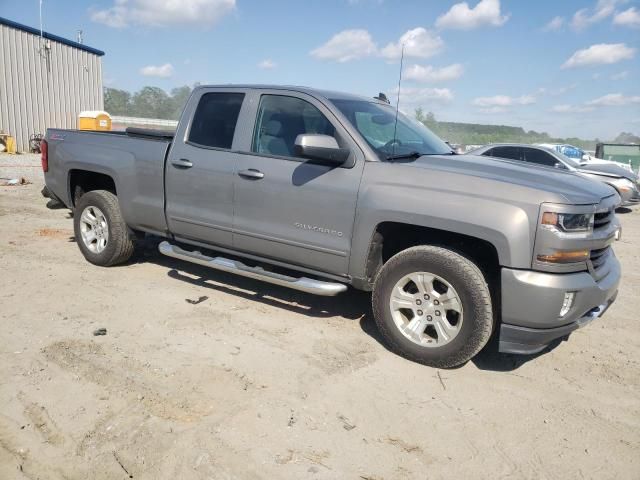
(304, 284)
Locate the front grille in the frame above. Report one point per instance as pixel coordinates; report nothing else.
(602, 219)
(599, 256)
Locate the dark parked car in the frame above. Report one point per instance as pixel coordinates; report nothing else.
(625, 182)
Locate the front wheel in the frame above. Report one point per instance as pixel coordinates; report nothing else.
(100, 230)
(433, 306)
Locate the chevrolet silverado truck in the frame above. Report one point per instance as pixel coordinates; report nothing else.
(317, 191)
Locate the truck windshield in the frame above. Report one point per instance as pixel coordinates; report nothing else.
(376, 124)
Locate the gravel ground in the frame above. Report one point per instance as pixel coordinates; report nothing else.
(259, 382)
(25, 165)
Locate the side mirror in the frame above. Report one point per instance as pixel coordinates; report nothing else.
(586, 157)
(322, 149)
(559, 165)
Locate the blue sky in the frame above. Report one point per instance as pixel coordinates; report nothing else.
(568, 68)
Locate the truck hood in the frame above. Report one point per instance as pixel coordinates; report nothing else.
(573, 188)
(608, 170)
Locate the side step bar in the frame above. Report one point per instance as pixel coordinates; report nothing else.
(304, 284)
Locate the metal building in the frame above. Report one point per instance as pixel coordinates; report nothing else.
(45, 81)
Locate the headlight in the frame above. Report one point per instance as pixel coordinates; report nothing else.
(625, 185)
(568, 222)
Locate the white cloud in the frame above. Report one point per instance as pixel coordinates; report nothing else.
(159, 13)
(620, 75)
(162, 71)
(418, 42)
(555, 92)
(614, 100)
(460, 16)
(355, 44)
(494, 109)
(628, 18)
(503, 101)
(428, 74)
(346, 46)
(267, 64)
(588, 16)
(567, 108)
(600, 54)
(554, 24)
(420, 96)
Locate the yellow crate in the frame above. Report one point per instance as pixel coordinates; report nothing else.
(94, 120)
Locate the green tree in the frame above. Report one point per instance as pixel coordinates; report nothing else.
(627, 137)
(179, 97)
(117, 102)
(151, 102)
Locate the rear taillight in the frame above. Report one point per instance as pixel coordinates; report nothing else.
(44, 155)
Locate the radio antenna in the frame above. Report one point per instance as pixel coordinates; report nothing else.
(395, 127)
(41, 20)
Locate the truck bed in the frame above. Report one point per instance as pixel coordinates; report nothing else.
(134, 159)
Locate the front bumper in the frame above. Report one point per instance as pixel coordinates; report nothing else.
(531, 303)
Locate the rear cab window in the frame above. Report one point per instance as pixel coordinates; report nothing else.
(214, 122)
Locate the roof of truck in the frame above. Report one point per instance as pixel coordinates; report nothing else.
(316, 92)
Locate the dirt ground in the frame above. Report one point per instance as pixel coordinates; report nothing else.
(259, 382)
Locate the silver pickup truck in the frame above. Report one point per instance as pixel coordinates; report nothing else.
(317, 190)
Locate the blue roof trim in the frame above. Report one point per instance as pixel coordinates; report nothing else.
(50, 36)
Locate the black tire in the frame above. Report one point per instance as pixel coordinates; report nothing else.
(468, 281)
(120, 245)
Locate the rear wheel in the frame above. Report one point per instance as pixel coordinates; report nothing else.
(100, 230)
(433, 306)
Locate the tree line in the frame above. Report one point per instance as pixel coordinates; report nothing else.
(148, 102)
(479, 134)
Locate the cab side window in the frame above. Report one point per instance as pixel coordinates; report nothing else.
(281, 119)
(214, 122)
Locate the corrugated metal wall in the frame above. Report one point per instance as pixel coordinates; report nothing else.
(42, 88)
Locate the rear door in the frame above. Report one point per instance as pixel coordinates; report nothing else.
(200, 168)
(285, 207)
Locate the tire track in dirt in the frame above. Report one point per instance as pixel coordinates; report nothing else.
(128, 378)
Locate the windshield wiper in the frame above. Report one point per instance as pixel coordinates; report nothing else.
(400, 156)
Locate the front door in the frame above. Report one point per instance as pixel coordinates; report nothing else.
(285, 207)
(200, 169)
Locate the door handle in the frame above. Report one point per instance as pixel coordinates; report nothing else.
(251, 174)
(181, 163)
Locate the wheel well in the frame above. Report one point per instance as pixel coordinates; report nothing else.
(391, 238)
(83, 181)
